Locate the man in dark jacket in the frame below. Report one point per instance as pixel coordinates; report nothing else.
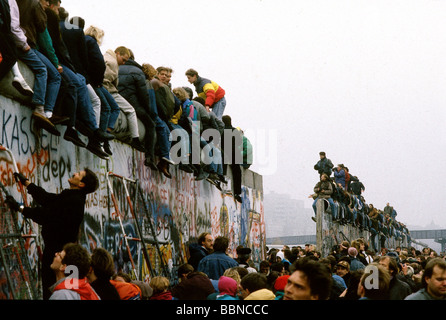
(398, 290)
(324, 165)
(60, 216)
(132, 87)
(198, 251)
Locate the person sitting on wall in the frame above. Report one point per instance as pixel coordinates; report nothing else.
(323, 190)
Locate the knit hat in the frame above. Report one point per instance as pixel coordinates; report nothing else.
(280, 254)
(227, 285)
(352, 251)
(281, 282)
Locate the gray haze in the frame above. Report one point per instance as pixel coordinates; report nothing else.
(363, 81)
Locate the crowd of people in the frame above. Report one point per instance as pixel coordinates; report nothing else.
(79, 87)
(347, 205)
(350, 272)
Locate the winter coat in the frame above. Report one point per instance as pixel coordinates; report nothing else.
(324, 166)
(105, 289)
(111, 75)
(215, 264)
(196, 252)
(166, 295)
(132, 85)
(209, 90)
(74, 39)
(195, 287)
(32, 19)
(323, 189)
(398, 290)
(339, 177)
(96, 63)
(83, 290)
(357, 187)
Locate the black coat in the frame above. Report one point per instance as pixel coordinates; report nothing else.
(96, 62)
(60, 215)
(132, 85)
(74, 39)
(105, 290)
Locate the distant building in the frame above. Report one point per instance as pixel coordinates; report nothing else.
(285, 216)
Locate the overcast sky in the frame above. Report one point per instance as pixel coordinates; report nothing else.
(364, 81)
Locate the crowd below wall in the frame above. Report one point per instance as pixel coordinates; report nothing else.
(78, 87)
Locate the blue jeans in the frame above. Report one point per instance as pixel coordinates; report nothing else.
(109, 109)
(219, 107)
(32, 60)
(178, 131)
(161, 127)
(334, 210)
(53, 82)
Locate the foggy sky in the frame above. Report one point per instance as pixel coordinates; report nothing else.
(363, 81)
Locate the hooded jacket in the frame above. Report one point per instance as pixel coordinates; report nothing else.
(262, 294)
(81, 291)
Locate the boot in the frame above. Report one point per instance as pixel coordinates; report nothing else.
(162, 167)
(42, 121)
(95, 147)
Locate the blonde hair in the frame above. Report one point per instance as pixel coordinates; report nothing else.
(96, 33)
(123, 51)
(159, 284)
(149, 70)
(180, 93)
(233, 273)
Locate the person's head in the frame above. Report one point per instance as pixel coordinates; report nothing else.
(309, 280)
(63, 14)
(342, 268)
(322, 154)
(434, 278)
(55, 5)
(205, 239)
(149, 71)
(163, 74)
(122, 55)
(159, 284)
(122, 277)
(191, 75)
(189, 91)
(73, 259)
(221, 244)
(85, 180)
(102, 265)
(184, 270)
(96, 33)
(227, 285)
(227, 120)
(78, 21)
(264, 267)
(243, 254)
(374, 283)
(252, 282)
(280, 283)
(390, 264)
(352, 252)
(45, 3)
(234, 274)
(200, 100)
(181, 94)
(324, 177)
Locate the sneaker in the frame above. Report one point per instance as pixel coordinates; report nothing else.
(72, 136)
(95, 148)
(168, 160)
(137, 145)
(43, 122)
(22, 87)
(107, 148)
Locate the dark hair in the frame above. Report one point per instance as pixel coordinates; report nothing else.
(102, 263)
(200, 100)
(54, 2)
(254, 281)
(78, 256)
(429, 270)
(189, 92)
(382, 292)
(123, 275)
(242, 271)
(90, 180)
(191, 72)
(318, 276)
(227, 120)
(393, 264)
(202, 238)
(185, 268)
(63, 14)
(78, 21)
(221, 244)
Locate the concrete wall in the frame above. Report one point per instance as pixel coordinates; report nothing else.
(179, 209)
(329, 233)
